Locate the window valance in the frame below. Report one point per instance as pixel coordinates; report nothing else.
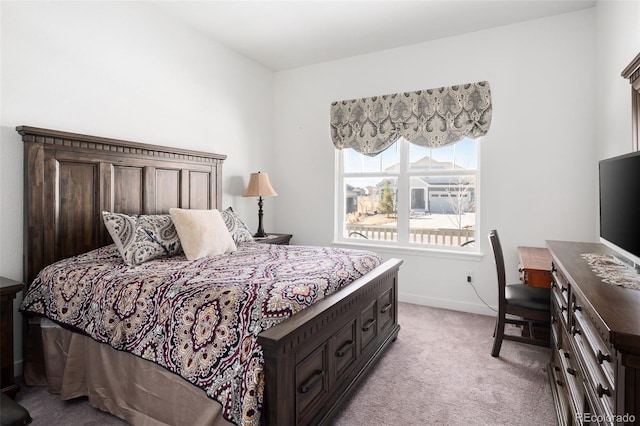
(430, 118)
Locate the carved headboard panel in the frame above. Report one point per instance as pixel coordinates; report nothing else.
(69, 179)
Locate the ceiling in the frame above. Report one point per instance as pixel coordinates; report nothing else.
(289, 34)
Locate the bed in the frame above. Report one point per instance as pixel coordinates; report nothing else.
(312, 360)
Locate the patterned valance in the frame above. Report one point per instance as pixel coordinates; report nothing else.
(431, 118)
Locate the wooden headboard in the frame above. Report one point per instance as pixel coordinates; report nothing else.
(69, 179)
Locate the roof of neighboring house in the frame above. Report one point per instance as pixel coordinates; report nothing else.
(427, 163)
(424, 163)
(355, 191)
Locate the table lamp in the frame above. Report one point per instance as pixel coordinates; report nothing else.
(259, 186)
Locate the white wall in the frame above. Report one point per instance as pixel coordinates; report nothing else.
(618, 42)
(538, 159)
(124, 70)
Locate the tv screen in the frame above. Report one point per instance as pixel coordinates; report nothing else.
(620, 203)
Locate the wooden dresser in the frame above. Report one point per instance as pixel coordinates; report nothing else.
(595, 366)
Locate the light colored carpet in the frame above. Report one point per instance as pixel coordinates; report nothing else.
(438, 372)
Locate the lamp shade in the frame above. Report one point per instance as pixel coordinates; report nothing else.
(259, 186)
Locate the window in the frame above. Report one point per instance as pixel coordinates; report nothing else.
(409, 196)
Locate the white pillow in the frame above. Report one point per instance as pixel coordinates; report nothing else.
(202, 233)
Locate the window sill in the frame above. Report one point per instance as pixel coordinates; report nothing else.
(475, 256)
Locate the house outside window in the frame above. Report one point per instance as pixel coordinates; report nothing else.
(409, 196)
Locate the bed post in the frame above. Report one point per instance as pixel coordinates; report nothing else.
(33, 234)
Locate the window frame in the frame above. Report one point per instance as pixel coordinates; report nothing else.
(404, 176)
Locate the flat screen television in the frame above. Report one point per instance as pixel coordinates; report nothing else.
(620, 205)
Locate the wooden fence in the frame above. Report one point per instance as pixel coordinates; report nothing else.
(440, 236)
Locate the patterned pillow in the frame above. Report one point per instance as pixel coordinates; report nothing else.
(140, 238)
(238, 230)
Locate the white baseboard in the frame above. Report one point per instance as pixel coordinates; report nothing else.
(456, 305)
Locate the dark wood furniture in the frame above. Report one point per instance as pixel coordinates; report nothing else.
(632, 72)
(529, 304)
(314, 359)
(535, 266)
(595, 366)
(275, 239)
(8, 290)
(12, 413)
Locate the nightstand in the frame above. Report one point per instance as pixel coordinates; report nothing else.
(282, 239)
(8, 290)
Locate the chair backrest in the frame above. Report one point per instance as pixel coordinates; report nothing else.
(499, 261)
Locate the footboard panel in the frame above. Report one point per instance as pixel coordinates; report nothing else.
(315, 359)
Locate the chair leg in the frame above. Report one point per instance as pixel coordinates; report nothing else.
(532, 334)
(498, 335)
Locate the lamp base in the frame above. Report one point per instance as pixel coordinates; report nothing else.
(260, 233)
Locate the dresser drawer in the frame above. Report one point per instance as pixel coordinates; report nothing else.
(560, 387)
(596, 359)
(312, 384)
(344, 350)
(572, 377)
(368, 324)
(386, 312)
(560, 293)
(557, 323)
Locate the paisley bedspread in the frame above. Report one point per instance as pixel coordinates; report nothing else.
(199, 319)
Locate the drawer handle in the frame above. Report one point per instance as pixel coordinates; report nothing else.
(571, 371)
(385, 308)
(576, 307)
(553, 319)
(368, 324)
(344, 348)
(603, 357)
(553, 267)
(601, 390)
(575, 330)
(563, 308)
(312, 381)
(563, 288)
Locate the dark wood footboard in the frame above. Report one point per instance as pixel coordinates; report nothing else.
(315, 358)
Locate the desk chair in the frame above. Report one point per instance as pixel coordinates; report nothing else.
(530, 304)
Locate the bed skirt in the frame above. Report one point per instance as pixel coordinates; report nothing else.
(129, 387)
